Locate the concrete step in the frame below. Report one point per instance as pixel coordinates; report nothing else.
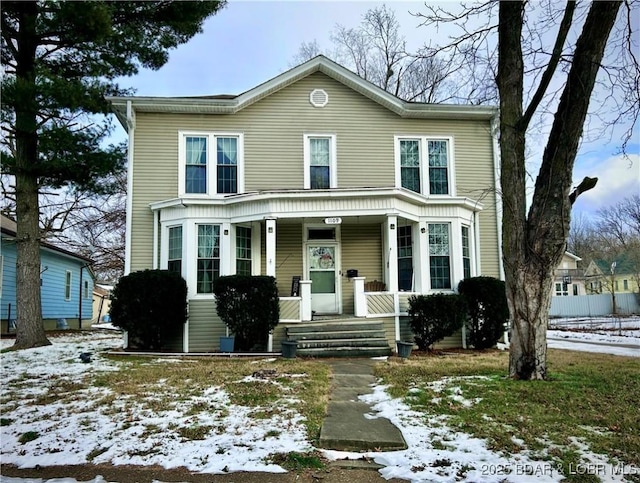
(334, 326)
(342, 334)
(329, 343)
(345, 352)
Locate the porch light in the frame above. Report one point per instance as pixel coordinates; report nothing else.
(270, 229)
(226, 232)
(423, 230)
(393, 226)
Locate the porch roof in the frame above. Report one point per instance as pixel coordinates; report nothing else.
(343, 202)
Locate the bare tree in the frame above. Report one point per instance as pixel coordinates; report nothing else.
(543, 71)
(377, 51)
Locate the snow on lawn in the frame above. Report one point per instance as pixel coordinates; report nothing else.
(76, 430)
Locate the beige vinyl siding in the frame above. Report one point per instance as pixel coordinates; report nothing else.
(362, 250)
(453, 341)
(205, 327)
(274, 130)
(288, 256)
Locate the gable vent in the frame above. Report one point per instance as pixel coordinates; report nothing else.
(318, 98)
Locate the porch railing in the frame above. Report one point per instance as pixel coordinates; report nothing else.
(297, 309)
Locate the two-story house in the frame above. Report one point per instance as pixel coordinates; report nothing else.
(568, 278)
(320, 179)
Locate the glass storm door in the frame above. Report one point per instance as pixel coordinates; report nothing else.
(323, 271)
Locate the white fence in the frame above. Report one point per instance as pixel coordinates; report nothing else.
(594, 305)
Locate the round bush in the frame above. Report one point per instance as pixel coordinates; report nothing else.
(488, 310)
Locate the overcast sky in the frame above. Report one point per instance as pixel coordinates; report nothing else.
(249, 42)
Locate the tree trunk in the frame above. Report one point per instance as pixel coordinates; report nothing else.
(29, 328)
(533, 246)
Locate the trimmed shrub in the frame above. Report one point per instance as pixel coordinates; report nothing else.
(488, 310)
(151, 306)
(434, 317)
(250, 308)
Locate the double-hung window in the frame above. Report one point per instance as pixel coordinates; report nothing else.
(208, 263)
(319, 161)
(243, 250)
(466, 253)
(174, 263)
(67, 285)
(211, 163)
(439, 256)
(424, 165)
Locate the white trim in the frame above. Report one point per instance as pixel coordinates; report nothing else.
(391, 257)
(256, 252)
(155, 248)
(423, 140)
(270, 249)
(211, 183)
(319, 63)
(333, 162)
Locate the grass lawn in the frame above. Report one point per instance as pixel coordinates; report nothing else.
(590, 399)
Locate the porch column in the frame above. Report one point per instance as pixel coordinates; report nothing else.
(359, 300)
(392, 256)
(305, 302)
(270, 237)
(421, 258)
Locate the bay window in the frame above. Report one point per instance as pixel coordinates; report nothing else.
(243, 250)
(174, 263)
(208, 261)
(405, 258)
(466, 253)
(439, 256)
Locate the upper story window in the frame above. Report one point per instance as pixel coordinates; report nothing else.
(424, 165)
(320, 161)
(211, 163)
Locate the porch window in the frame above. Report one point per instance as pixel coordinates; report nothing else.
(175, 249)
(243, 250)
(67, 285)
(466, 253)
(320, 162)
(208, 257)
(405, 258)
(439, 256)
(424, 165)
(210, 163)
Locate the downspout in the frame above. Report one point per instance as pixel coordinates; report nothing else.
(495, 124)
(131, 127)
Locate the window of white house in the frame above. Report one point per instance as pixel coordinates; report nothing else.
(405, 258)
(204, 171)
(208, 264)
(174, 263)
(243, 250)
(625, 284)
(424, 165)
(67, 285)
(466, 253)
(575, 289)
(561, 289)
(319, 162)
(439, 256)
(616, 284)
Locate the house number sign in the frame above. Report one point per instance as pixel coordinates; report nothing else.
(332, 221)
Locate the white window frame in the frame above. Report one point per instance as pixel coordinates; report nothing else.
(452, 251)
(212, 181)
(333, 162)
(68, 284)
(424, 162)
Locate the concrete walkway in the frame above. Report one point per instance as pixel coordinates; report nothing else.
(345, 427)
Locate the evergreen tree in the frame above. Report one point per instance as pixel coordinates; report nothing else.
(60, 59)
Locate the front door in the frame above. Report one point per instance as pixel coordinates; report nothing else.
(323, 268)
